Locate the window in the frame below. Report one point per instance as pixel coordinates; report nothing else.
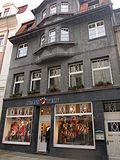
(1, 40)
(55, 78)
(64, 34)
(74, 127)
(96, 29)
(42, 42)
(53, 9)
(18, 126)
(44, 13)
(6, 12)
(52, 35)
(93, 4)
(22, 50)
(18, 84)
(101, 72)
(35, 81)
(76, 75)
(64, 7)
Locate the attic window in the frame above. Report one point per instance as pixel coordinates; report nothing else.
(6, 12)
(53, 9)
(93, 4)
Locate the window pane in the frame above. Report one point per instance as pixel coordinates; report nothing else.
(18, 88)
(55, 82)
(74, 130)
(92, 33)
(64, 7)
(76, 80)
(35, 85)
(76, 68)
(52, 36)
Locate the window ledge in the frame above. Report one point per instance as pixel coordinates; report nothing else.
(55, 43)
(33, 92)
(20, 57)
(97, 38)
(16, 95)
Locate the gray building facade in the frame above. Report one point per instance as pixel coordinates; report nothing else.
(64, 74)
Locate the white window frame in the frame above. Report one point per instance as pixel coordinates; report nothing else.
(15, 116)
(95, 5)
(17, 82)
(34, 79)
(52, 36)
(23, 48)
(101, 68)
(42, 40)
(74, 73)
(96, 28)
(55, 76)
(6, 12)
(44, 13)
(64, 36)
(74, 114)
(53, 9)
(1, 40)
(64, 7)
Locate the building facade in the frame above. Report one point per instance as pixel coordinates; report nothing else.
(64, 74)
(9, 23)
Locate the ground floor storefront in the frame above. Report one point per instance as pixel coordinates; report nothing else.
(84, 126)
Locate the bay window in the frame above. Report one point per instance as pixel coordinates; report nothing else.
(101, 71)
(18, 126)
(76, 75)
(18, 84)
(74, 126)
(35, 81)
(96, 29)
(64, 34)
(54, 78)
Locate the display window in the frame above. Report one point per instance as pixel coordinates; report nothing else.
(18, 126)
(74, 126)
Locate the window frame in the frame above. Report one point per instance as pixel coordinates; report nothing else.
(74, 73)
(101, 68)
(63, 8)
(54, 35)
(56, 76)
(96, 29)
(34, 79)
(68, 34)
(53, 9)
(17, 82)
(74, 114)
(20, 49)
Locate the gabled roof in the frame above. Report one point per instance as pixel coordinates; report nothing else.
(22, 9)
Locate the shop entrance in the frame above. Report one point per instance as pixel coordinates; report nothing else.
(44, 124)
(112, 126)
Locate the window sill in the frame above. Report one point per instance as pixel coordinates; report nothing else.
(97, 38)
(16, 95)
(33, 92)
(76, 88)
(20, 57)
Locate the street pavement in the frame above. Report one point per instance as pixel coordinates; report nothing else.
(8, 155)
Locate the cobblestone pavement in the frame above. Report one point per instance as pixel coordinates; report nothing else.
(7, 155)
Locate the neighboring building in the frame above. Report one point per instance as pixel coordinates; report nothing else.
(9, 23)
(64, 74)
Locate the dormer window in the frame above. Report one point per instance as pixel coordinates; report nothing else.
(42, 40)
(64, 7)
(52, 35)
(6, 12)
(64, 34)
(44, 13)
(53, 9)
(93, 4)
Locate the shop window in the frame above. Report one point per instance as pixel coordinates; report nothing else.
(54, 79)
(96, 29)
(18, 84)
(64, 7)
(101, 72)
(64, 34)
(52, 35)
(18, 126)
(74, 126)
(22, 50)
(93, 4)
(6, 12)
(42, 41)
(44, 13)
(76, 75)
(1, 40)
(53, 9)
(35, 81)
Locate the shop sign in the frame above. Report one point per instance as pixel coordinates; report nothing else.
(99, 135)
(43, 101)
